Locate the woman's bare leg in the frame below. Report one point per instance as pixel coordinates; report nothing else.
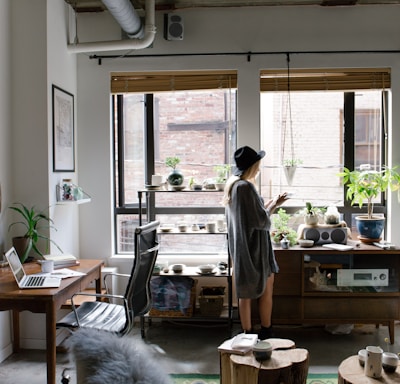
(245, 314)
(265, 303)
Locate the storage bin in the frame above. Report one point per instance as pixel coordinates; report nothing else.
(173, 296)
(211, 301)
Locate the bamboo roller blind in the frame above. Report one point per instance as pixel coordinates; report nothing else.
(270, 80)
(325, 80)
(171, 81)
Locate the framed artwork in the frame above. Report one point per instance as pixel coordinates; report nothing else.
(63, 131)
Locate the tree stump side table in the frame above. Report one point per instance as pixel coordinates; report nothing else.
(351, 372)
(287, 364)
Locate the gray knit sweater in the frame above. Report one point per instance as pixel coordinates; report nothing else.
(249, 240)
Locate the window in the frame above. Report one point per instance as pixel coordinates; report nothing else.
(333, 120)
(198, 125)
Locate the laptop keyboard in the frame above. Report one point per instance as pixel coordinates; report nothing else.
(35, 281)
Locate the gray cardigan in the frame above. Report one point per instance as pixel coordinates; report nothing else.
(249, 240)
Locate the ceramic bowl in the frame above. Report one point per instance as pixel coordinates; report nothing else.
(206, 268)
(306, 243)
(389, 362)
(219, 186)
(362, 356)
(262, 350)
(182, 227)
(178, 268)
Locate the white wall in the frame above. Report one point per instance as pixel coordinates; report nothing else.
(276, 30)
(5, 153)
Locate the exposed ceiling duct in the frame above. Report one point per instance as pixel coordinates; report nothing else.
(128, 19)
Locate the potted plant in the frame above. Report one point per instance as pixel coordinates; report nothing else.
(31, 219)
(311, 213)
(289, 167)
(281, 228)
(222, 172)
(365, 185)
(175, 177)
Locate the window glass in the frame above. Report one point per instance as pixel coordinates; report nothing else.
(198, 127)
(310, 131)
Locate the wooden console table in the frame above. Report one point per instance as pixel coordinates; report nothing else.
(298, 300)
(45, 300)
(351, 372)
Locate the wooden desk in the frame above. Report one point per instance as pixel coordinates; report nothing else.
(351, 372)
(45, 300)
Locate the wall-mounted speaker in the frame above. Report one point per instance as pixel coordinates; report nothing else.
(173, 27)
(322, 235)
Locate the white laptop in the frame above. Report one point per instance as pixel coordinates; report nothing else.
(29, 281)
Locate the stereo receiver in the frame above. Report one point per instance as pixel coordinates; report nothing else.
(362, 277)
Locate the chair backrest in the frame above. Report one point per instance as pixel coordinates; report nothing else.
(138, 291)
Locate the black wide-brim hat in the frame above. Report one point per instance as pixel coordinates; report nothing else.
(244, 158)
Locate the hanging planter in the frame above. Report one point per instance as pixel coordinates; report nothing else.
(289, 167)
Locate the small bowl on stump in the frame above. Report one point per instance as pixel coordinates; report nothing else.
(262, 350)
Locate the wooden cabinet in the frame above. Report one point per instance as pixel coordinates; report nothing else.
(319, 285)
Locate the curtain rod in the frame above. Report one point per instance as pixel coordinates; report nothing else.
(248, 54)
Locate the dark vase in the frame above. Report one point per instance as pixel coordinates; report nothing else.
(175, 177)
(23, 246)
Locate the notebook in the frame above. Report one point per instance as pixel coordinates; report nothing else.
(29, 281)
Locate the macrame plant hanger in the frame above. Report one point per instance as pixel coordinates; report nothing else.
(289, 164)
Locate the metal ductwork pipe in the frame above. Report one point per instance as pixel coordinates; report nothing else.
(126, 16)
(130, 23)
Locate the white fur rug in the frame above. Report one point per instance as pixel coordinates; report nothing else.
(104, 358)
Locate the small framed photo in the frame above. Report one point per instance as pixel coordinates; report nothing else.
(63, 131)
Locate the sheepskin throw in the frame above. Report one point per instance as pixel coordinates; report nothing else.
(104, 358)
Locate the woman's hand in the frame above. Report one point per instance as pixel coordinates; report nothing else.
(271, 205)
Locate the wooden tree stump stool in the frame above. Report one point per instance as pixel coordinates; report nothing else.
(351, 372)
(288, 365)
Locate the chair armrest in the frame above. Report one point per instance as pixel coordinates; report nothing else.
(112, 274)
(99, 295)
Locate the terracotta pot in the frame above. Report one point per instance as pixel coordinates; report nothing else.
(23, 246)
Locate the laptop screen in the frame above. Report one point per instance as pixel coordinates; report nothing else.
(15, 265)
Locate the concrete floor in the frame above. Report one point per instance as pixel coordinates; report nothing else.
(192, 348)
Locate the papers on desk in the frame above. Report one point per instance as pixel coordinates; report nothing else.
(63, 273)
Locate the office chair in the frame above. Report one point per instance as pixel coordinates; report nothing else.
(116, 313)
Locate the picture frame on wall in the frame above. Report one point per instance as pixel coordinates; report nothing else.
(63, 130)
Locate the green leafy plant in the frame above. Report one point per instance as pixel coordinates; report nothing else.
(31, 219)
(365, 185)
(222, 172)
(172, 161)
(281, 228)
(292, 162)
(312, 210)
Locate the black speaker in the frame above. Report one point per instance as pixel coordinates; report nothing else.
(173, 27)
(322, 235)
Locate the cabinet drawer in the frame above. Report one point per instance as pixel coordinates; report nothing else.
(351, 308)
(289, 262)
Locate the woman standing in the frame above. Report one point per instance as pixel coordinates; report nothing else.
(249, 242)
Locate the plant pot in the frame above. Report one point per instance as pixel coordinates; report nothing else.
(370, 230)
(175, 177)
(23, 246)
(311, 219)
(289, 173)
